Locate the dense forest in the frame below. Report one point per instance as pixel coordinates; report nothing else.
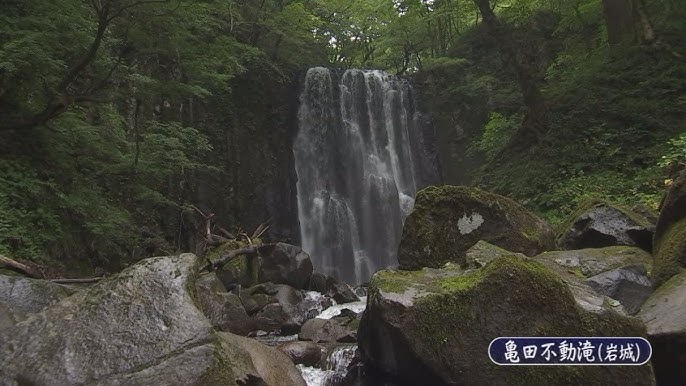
(117, 118)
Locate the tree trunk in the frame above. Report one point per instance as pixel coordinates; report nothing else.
(620, 20)
(534, 124)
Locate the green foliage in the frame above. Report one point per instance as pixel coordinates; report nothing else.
(675, 156)
(616, 117)
(96, 178)
(497, 133)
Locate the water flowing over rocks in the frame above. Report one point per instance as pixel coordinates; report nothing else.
(141, 326)
(433, 326)
(361, 154)
(597, 224)
(448, 220)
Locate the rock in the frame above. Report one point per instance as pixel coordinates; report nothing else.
(647, 212)
(279, 320)
(342, 293)
(593, 261)
(306, 353)
(140, 326)
(429, 326)
(224, 310)
(286, 264)
(664, 314)
(670, 233)
(21, 297)
(483, 253)
(273, 367)
(324, 330)
(448, 220)
(318, 282)
(255, 303)
(629, 285)
(241, 270)
(597, 224)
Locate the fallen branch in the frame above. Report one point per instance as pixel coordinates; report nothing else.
(249, 251)
(20, 268)
(78, 281)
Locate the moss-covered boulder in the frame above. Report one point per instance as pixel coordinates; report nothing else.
(141, 326)
(664, 314)
(241, 270)
(447, 220)
(670, 233)
(597, 224)
(434, 326)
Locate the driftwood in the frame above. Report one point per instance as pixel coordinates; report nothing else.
(248, 251)
(20, 268)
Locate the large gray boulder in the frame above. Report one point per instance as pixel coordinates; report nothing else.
(286, 264)
(664, 315)
(448, 220)
(597, 224)
(629, 285)
(21, 297)
(670, 233)
(139, 327)
(618, 272)
(433, 326)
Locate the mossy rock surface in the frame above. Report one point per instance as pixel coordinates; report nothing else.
(670, 233)
(448, 220)
(597, 223)
(243, 270)
(664, 314)
(588, 262)
(141, 326)
(433, 326)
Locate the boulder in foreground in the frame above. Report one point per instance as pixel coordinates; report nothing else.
(664, 314)
(434, 326)
(139, 327)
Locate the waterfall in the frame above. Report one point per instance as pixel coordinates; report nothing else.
(361, 154)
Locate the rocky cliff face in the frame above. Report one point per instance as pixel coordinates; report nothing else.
(251, 129)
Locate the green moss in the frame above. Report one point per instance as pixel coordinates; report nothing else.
(354, 324)
(675, 281)
(591, 203)
(670, 253)
(432, 233)
(395, 281)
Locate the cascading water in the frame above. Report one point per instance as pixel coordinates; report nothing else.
(360, 155)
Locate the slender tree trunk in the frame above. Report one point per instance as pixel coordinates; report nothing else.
(620, 18)
(534, 124)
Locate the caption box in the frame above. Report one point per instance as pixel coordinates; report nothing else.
(600, 351)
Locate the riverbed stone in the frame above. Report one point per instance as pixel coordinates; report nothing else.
(448, 220)
(141, 326)
(286, 264)
(597, 224)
